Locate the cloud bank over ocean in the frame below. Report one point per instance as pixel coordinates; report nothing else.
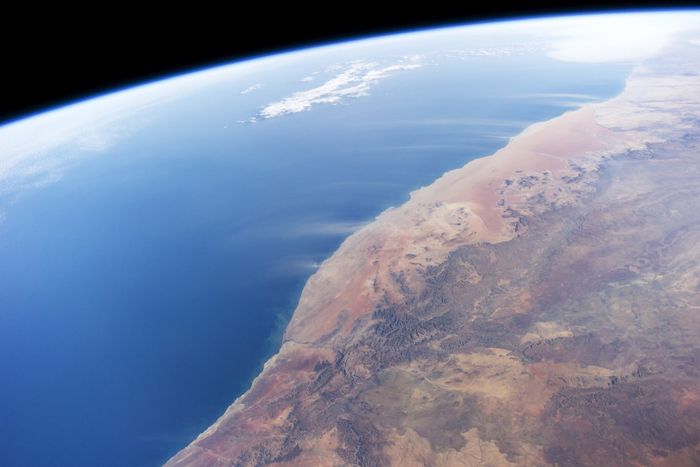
(353, 82)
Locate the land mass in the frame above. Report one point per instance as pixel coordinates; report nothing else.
(540, 306)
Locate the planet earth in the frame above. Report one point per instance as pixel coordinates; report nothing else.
(475, 245)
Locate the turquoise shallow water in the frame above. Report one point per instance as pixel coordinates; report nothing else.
(141, 293)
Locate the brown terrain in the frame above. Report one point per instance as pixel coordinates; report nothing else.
(540, 306)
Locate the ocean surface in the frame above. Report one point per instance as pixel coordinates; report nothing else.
(142, 292)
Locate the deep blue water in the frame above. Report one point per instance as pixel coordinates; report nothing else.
(141, 293)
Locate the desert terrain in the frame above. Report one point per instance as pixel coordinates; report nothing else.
(539, 306)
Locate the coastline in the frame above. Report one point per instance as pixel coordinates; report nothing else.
(487, 201)
(376, 229)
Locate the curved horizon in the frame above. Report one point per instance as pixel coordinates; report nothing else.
(347, 40)
(157, 239)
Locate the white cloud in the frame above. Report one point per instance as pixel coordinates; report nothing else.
(503, 51)
(355, 81)
(37, 150)
(614, 37)
(576, 38)
(251, 88)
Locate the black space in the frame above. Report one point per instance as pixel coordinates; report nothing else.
(53, 57)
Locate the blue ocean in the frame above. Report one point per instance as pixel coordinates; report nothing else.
(142, 292)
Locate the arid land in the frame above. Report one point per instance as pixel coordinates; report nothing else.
(539, 306)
